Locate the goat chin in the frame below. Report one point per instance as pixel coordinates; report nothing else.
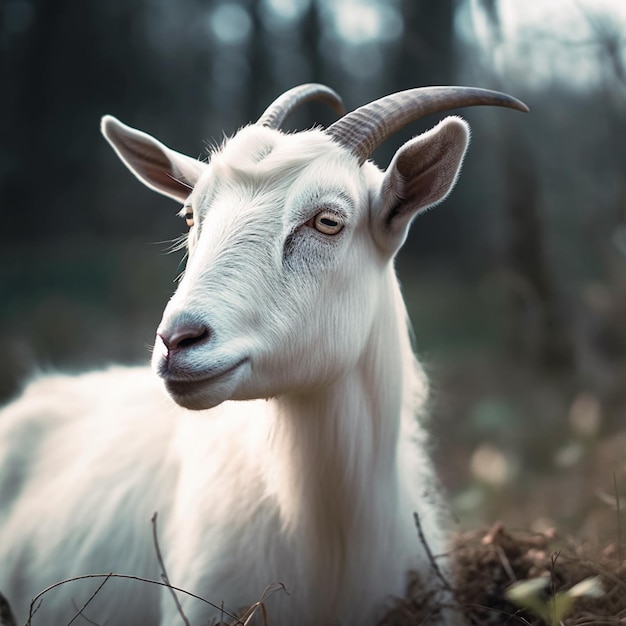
(207, 392)
(302, 464)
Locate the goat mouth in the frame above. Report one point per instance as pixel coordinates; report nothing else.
(181, 387)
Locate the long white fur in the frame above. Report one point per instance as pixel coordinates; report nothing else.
(304, 467)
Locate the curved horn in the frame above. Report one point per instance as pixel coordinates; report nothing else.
(365, 128)
(276, 112)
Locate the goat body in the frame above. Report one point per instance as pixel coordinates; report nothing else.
(284, 446)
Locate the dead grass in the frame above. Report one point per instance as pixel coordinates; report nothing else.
(486, 563)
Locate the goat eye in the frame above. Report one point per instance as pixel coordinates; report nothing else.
(327, 222)
(189, 217)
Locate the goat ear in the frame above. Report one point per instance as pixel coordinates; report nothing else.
(164, 170)
(420, 175)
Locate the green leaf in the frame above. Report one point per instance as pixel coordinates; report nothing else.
(560, 606)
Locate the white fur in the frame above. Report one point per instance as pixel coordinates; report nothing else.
(303, 466)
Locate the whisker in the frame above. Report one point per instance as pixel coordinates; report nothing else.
(182, 262)
(173, 245)
(180, 243)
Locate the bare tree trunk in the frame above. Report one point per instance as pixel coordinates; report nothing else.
(260, 83)
(539, 328)
(311, 38)
(426, 50)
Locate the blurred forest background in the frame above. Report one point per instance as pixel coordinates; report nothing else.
(516, 285)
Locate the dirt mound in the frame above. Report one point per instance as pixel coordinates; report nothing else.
(487, 563)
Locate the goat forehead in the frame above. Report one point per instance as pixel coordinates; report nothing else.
(268, 156)
(257, 145)
(263, 170)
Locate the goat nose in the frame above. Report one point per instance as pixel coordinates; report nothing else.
(183, 336)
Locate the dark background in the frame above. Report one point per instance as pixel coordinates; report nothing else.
(516, 285)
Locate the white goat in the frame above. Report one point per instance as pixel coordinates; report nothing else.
(301, 461)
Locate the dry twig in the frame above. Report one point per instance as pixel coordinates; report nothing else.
(37, 599)
(433, 563)
(79, 612)
(164, 575)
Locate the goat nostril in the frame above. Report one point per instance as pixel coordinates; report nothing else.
(190, 341)
(184, 336)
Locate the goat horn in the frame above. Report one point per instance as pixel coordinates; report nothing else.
(365, 128)
(276, 112)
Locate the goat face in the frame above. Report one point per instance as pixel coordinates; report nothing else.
(290, 243)
(277, 293)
